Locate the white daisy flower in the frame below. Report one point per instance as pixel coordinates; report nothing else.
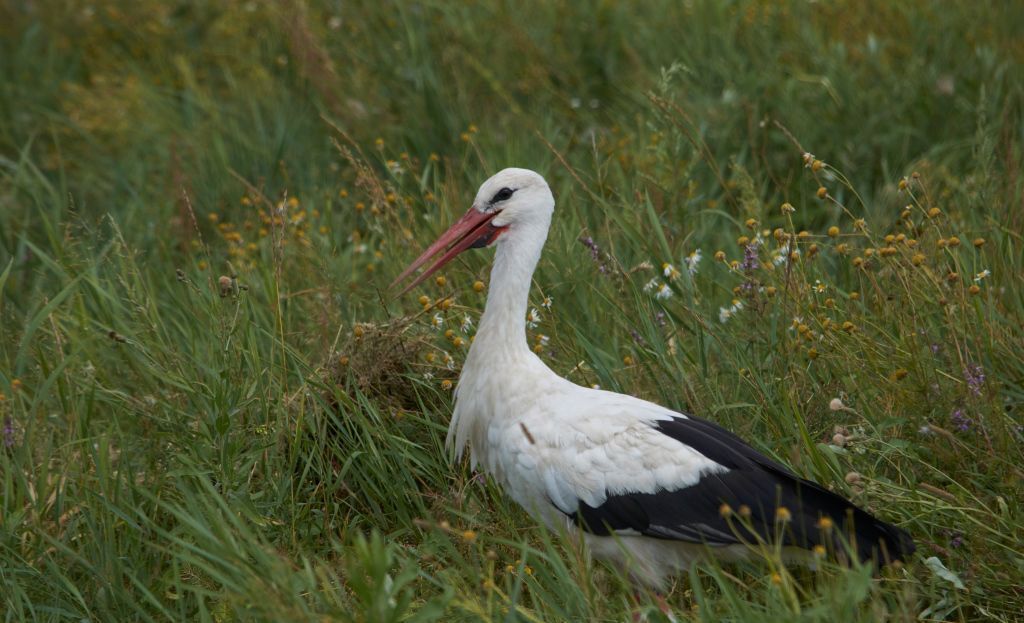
(724, 314)
(546, 303)
(983, 274)
(692, 260)
(533, 318)
(664, 292)
(670, 271)
(467, 324)
(650, 285)
(437, 321)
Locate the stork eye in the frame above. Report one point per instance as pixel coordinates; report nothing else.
(502, 195)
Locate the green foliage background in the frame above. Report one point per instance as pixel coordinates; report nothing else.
(213, 408)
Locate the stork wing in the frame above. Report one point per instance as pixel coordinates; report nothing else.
(675, 477)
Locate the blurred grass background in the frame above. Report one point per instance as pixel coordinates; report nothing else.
(213, 409)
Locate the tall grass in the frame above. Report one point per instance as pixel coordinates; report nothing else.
(214, 409)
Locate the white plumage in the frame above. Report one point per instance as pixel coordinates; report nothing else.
(647, 487)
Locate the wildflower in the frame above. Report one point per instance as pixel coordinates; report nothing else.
(808, 159)
(437, 321)
(770, 291)
(974, 289)
(833, 231)
(836, 405)
(724, 314)
(664, 292)
(595, 253)
(787, 208)
(468, 535)
(719, 256)
(478, 286)
(778, 257)
(358, 331)
(819, 550)
(8, 432)
(960, 420)
(932, 213)
(533, 318)
(817, 165)
(819, 287)
(467, 324)
(650, 285)
(440, 281)
(725, 510)
(543, 340)
(782, 514)
(954, 241)
(547, 302)
(446, 384)
(917, 260)
(627, 360)
(670, 271)
(978, 242)
(424, 300)
(822, 192)
(974, 374)
(750, 261)
(982, 275)
(825, 524)
(692, 260)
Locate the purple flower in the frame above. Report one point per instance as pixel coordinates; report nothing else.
(974, 374)
(935, 349)
(750, 261)
(8, 432)
(595, 253)
(639, 339)
(659, 317)
(955, 539)
(960, 420)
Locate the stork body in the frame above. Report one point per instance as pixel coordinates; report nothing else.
(646, 487)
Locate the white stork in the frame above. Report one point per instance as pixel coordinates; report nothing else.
(648, 488)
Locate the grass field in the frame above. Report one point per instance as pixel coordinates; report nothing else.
(213, 409)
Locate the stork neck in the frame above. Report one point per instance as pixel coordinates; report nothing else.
(503, 325)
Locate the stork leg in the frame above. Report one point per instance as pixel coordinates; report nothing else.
(662, 604)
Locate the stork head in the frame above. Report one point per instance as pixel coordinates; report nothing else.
(511, 201)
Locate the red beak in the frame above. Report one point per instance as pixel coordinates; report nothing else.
(473, 230)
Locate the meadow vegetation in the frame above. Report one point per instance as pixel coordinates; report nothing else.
(802, 220)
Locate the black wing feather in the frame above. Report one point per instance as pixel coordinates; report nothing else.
(754, 481)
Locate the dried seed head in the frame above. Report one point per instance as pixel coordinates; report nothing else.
(226, 285)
